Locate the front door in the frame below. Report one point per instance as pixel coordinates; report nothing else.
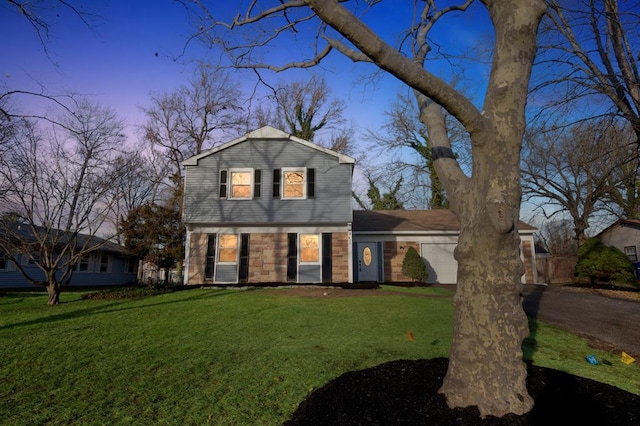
(367, 262)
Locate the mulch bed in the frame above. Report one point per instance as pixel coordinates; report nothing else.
(406, 393)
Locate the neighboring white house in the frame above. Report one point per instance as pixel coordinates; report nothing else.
(624, 234)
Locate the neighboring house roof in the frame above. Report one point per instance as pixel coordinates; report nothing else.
(61, 237)
(267, 132)
(407, 221)
(624, 223)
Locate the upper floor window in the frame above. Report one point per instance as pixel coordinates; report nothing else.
(294, 183)
(240, 184)
(631, 253)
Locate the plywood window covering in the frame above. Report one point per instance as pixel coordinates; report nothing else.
(241, 180)
(228, 248)
(293, 183)
(309, 248)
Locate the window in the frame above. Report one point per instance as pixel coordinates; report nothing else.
(131, 266)
(4, 263)
(294, 183)
(83, 264)
(309, 248)
(240, 184)
(228, 248)
(105, 264)
(631, 253)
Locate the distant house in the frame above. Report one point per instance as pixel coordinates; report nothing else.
(623, 234)
(107, 264)
(272, 208)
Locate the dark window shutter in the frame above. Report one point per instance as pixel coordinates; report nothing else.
(327, 258)
(292, 257)
(276, 183)
(311, 183)
(211, 257)
(257, 182)
(223, 184)
(243, 271)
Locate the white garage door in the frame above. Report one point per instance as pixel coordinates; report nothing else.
(442, 267)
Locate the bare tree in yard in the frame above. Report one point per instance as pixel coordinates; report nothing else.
(589, 53)
(485, 367)
(404, 139)
(570, 171)
(192, 118)
(54, 187)
(381, 200)
(137, 184)
(305, 110)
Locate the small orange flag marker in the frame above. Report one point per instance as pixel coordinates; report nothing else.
(410, 336)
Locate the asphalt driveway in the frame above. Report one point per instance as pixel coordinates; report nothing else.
(610, 323)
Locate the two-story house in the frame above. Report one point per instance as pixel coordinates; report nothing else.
(272, 208)
(268, 207)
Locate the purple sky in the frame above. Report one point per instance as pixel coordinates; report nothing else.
(128, 50)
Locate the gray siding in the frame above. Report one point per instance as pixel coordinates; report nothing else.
(332, 202)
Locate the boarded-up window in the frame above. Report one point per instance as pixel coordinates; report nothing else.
(228, 248)
(309, 248)
(293, 183)
(241, 184)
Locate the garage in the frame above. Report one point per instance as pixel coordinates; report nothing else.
(442, 267)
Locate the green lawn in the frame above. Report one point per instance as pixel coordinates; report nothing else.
(224, 357)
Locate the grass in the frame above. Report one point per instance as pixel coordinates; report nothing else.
(224, 357)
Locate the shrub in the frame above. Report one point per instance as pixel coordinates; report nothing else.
(597, 261)
(413, 266)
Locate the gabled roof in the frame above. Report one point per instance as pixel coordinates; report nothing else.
(407, 221)
(267, 132)
(623, 223)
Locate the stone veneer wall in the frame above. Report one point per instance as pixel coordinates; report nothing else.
(393, 257)
(267, 258)
(197, 258)
(340, 257)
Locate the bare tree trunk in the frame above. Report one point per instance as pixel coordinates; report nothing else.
(53, 290)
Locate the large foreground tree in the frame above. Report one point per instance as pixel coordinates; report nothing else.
(486, 367)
